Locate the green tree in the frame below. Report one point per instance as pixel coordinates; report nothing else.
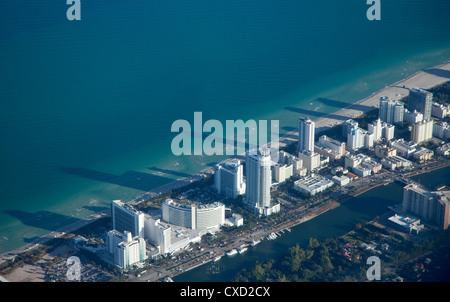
(258, 272)
(282, 278)
(309, 254)
(307, 274)
(313, 243)
(325, 263)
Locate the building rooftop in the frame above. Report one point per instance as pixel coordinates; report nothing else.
(418, 189)
(313, 182)
(407, 222)
(126, 206)
(443, 196)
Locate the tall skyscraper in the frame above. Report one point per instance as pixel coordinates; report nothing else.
(391, 111)
(258, 178)
(420, 100)
(306, 130)
(126, 218)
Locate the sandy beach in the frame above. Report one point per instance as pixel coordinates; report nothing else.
(423, 79)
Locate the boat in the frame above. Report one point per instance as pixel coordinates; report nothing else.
(217, 258)
(232, 252)
(243, 250)
(256, 242)
(272, 236)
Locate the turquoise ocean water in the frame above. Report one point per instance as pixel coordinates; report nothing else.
(86, 106)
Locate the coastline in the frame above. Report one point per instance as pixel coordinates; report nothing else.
(397, 90)
(423, 79)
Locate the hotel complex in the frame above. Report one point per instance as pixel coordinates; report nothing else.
(193, 216)
(181, 224)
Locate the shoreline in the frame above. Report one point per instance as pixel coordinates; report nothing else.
(422, 79)
(397, 90)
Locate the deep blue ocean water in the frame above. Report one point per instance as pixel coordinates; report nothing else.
(86, 106)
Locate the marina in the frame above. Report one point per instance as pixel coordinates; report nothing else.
(337, 222)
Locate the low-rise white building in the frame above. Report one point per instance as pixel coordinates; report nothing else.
(313, 184)
(410, 224)
(341, 181)
(235, 220)
(400, 162)
(362, 171)
(443, 150)
(441, 130)
(389, 164)
(439, 110)
(383, 151)
(423, 154)
(287, 166)
(281, 172)
(405, 149)
(412, 117)
(311, 160)
(353, 160)
(329, 143)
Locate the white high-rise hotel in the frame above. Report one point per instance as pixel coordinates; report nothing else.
(258, 178)
(259, 181)
(127, 250)
(306, 129)
(391, 111)
(306, 132)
